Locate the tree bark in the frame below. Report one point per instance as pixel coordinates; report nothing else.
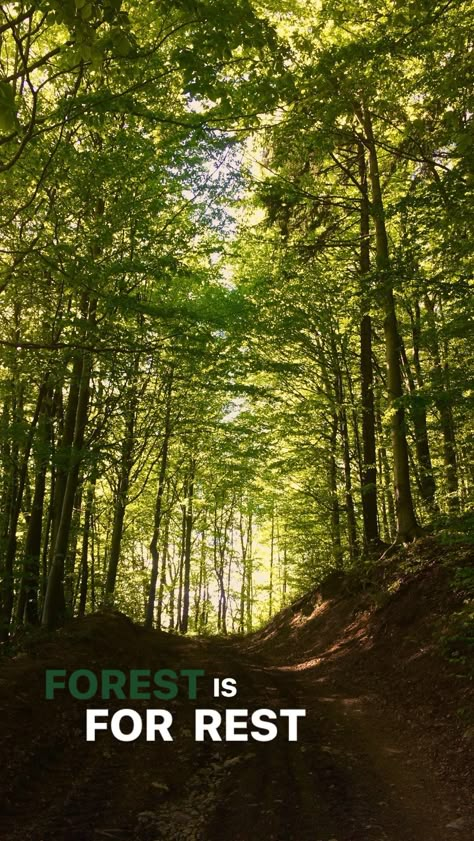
(369, 466)
(86, 533)
(443, 403)
(407, 526)
(422, 446)
(349, 501)
(121, 501)
(7, 591)
(187, 548)
(53, 609)
(334, 497)
(272, 553)
(159, 506)
(162, 584)
(27, 607)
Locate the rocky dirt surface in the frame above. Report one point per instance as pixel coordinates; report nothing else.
(384, 753)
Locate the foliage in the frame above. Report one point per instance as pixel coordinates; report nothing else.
(217, 385)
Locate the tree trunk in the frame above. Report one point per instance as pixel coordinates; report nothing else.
(62, 455)
(27, 608)
(200, 590)
(86, 533)
(443, 403)
(418, 414)
(407, 526)
(70, 560)
(250, 575)
(187, 549)
(334, 497)
(369, 467)
(7, 592)
(386, 477)
(272, 552)
(244, 545)
(182, 550)
(53, 609)
(162, 584)
(121, 501)
(350, 512)
(159, 506)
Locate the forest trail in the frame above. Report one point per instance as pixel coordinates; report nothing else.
(363, 769)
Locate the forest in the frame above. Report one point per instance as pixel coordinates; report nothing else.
(235, 263)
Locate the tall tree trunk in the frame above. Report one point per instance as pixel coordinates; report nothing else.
(272, 556)
(27, 607)
(220, 549)
(164, 563)
(182, 550)
(159, 506)
(249, 606)
(62, 454)
(350, 512)
(407, 526)
(202, 574)
(423, 455)
(284, 586)
(386, 476)
(369, 467)
(121, 501)
(7, 592)
(70, 560)
(86, 534)
(334, 496)
(244, 545)
(443, 403)
(173, 620)
(187, 549)
(53, 609)
(229, 577)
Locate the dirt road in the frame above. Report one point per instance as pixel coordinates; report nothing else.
(355, 773)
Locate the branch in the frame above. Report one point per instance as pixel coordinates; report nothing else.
(11, 23)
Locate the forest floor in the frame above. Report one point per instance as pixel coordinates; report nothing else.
(384, 753)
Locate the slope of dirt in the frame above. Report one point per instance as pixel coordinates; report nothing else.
(382, 755)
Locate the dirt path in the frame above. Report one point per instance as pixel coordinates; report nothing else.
(353, 775)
